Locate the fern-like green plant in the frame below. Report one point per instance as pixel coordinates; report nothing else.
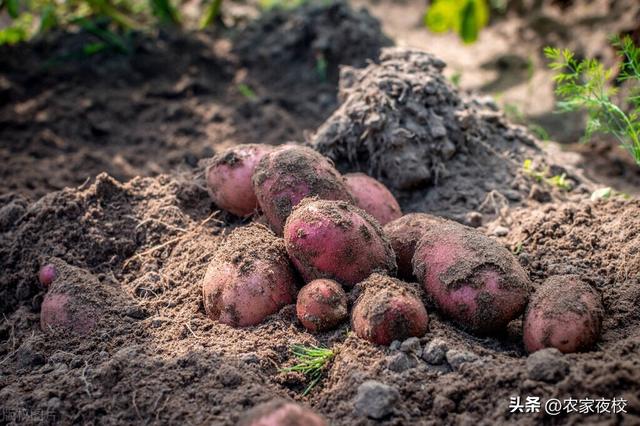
(587, 85)
(312, 362)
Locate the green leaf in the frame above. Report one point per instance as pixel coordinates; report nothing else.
(13, 8)
(211, 14)
(166, 13)
(48, 18)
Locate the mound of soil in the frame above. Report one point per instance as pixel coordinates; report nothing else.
(439, 150)
(173, 99)
(159, 357)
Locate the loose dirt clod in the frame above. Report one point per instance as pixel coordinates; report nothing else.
(402, 122)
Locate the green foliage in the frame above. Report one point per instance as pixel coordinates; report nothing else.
(210, 14)
(246, 91)
(282, 4)
(465, 17)
(587, 85)
(558, 181)
(312, 362)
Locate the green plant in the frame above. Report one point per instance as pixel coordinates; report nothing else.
(587, 85)
(558, 181)
(465, 17)
(312, 362)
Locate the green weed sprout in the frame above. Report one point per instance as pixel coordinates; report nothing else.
(465, 17)
(588, 85)
(558, 181)
(312, 361)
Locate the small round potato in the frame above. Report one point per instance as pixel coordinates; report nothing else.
(564, 313)
(321, 305)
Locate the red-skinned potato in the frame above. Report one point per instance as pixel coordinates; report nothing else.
(249, 278)
(47, 274)
(373, 197)
(336, 240)
(564, 313)
(76, 302)
(388, 309)
(321, 305)
(290, 173)
(229, 178)
(404, 234)
(281, 413)
(472, 279)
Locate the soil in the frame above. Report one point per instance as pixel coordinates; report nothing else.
(146, 230)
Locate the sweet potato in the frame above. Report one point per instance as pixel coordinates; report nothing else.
(290, 173)
(281, 413)
(388, 309)
(336, 240)
(229, 178)
(47, 274)
(249, 278)
(473, 280)
(373, 197)
(564, 313)
(321, 305)
(404, 234)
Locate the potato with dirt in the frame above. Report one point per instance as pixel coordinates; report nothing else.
(76, 302)
(249, 278)
(404, 234)
(472, 279)
(564, 313)
(321, 305)
(336, 240)
(388, 309)
(373, 197)
(229, 178)
(290, 173)
(280, 412)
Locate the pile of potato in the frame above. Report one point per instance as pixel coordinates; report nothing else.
(334, 234)
(329, 235)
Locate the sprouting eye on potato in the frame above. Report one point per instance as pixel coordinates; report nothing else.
(564, 313)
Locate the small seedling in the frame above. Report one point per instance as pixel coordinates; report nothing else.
(558, 181)
(588, 85)
(312, 362)
(246, 91)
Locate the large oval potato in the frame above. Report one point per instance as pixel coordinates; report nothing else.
(336, 240)
(564, 313)
(473, 280)
(249, 278)
(290, 173)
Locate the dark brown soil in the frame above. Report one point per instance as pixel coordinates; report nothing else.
(154, 356)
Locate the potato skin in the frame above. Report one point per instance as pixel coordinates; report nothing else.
(64, 311)
(290, 173)
(321, 305)
(564, 313)
(388, 309)
(472, 279)
(281, 413)
(336, 240)
(229, 178)
(404, 234)
(249, 278)
(373, 197)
